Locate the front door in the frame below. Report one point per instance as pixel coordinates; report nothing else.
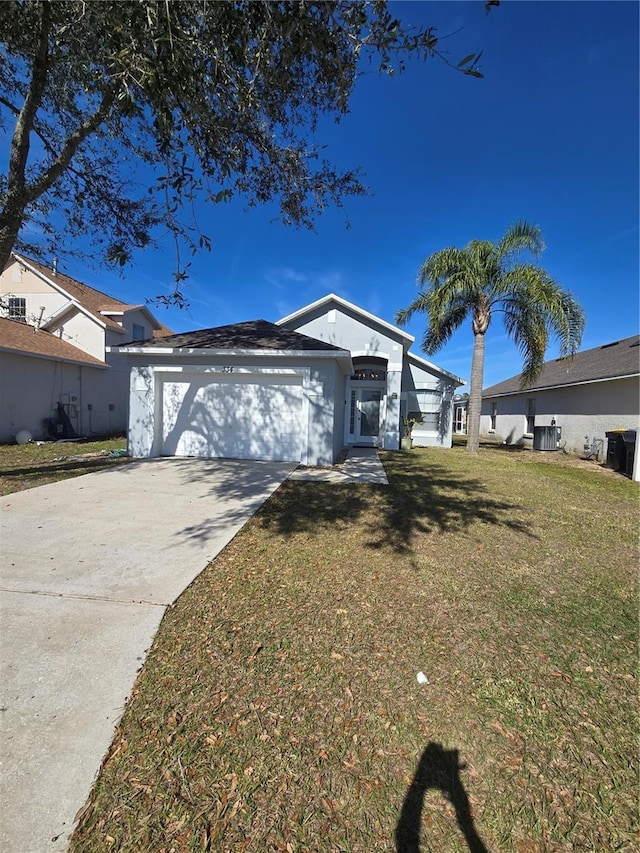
(365, 415)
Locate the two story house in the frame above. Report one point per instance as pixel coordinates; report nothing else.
(58, 375)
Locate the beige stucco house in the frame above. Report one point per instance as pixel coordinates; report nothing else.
(592, 393)
(55, 335)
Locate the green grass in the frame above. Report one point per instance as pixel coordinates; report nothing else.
(279, 710)
(23, 466)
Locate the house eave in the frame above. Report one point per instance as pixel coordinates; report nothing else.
(252, 353)
(558, 386)
(128, 309)
(58, 358)
(343, 357)
(435, 369)
(72, 305)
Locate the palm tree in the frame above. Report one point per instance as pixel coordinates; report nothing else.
(487, 277)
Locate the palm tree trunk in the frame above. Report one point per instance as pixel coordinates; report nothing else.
(475, 393)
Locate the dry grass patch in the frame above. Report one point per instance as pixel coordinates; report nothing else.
(23, 466)
(279, 708)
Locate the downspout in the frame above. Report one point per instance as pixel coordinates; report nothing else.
(80, 405)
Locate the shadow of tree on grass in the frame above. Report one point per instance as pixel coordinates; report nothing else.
(419, 499)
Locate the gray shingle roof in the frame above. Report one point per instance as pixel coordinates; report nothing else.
(255, 334)
(619, 358)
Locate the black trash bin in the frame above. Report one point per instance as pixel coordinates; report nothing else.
(629, 441)
(621, 450)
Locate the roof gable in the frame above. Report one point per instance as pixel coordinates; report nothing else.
(322, 305)
(609, 361)
(94, 302)
(90, 299)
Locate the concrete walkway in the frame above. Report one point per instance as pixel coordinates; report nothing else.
(88, 567)
(362, 465)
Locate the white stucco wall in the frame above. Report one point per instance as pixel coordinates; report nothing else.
(322, 382)
(31, 387)
(82, 331)
(416, 378)
(583, 411)
(339, 326)
(127, 320)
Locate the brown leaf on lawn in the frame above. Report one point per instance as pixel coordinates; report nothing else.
(497, 725)
(255, 652)
(176, 825)
(557, 674)
(327, 806)
(174, 719)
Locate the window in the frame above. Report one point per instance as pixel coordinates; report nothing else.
(17, 308)
(369, 369)
(494, 412)
(425, 403)
(531, 416)
(369, 374)
(138, 332)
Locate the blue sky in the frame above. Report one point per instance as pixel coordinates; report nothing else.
(549, 135)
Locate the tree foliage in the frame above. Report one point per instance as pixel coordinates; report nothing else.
(123, 112)
(486, 277)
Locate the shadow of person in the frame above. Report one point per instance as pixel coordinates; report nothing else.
(438, 768)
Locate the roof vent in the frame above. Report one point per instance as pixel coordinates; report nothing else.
(614, 344)
(54, 265)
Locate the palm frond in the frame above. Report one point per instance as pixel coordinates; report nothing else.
(440, 266)
(536, 307)
(521, 237)
(439, 332)
(419, 305)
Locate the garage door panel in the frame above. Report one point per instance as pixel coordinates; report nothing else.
(246, 417)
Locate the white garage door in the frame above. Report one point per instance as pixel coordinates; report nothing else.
(242, 416)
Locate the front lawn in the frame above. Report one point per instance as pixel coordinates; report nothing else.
(279, 708)
(23, 466)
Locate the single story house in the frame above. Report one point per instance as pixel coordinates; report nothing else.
(587, 395)
(328, 376)
(55, 335)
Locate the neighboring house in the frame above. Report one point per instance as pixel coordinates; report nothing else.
(55, 334)
(586, 395)
(326, 377)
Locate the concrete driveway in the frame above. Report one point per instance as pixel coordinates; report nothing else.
(88, 567)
